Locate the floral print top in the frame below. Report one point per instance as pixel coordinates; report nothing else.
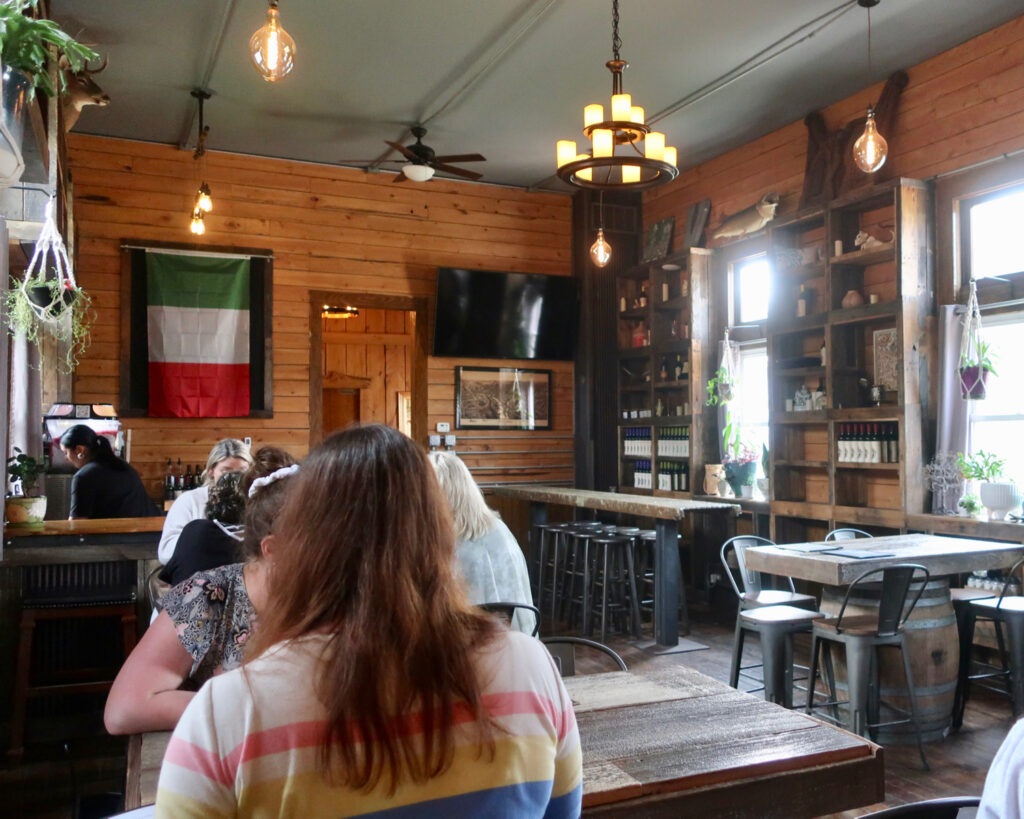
(212, 615)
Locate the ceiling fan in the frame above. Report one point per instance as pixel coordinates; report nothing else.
(421, 162)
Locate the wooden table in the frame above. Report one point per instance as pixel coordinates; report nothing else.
(675, 742)
(667, 513)
(81, 541)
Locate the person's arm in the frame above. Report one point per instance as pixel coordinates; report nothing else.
(83, 496)
(145, 695)
(181, 512)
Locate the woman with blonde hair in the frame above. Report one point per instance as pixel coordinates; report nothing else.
(487, 554)
(372, 683)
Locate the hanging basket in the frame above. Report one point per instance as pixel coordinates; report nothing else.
(973, 383)
(975, 364)
(42, 297)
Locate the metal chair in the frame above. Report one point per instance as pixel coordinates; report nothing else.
(1004, 610)
(946, 808)
(563, 650)
(847, 533)
(507, 611)
(862, 635)
(758, 588)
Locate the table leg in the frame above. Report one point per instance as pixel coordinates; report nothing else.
(667, 591)
(538, 517)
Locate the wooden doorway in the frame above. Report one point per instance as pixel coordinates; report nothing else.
(369, 367)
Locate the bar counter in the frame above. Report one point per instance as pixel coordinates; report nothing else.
(81, 541)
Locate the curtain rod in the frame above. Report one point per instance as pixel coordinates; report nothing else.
(201, 253)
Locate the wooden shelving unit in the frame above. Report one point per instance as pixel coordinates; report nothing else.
(662, 342)
(832, 349)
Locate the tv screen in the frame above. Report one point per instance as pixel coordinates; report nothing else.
(484, 314)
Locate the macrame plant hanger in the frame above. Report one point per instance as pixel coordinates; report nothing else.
(972, 375)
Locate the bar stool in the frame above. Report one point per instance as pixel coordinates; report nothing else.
(82, 591)
(775, 625)
(861, 636)
(549, 554)
(962, 599)
(614, 573)
(576, 586)
(1004, 610)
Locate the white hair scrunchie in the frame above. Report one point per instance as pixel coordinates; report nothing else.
(276, 475)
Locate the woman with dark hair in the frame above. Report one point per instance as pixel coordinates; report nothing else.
(103, 485)
(211, 541)
(372, 682)
(204, 623)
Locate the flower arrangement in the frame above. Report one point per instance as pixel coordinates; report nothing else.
(740, 467)
(983, 466)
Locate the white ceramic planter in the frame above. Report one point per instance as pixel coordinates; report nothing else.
(24, 511)
(1000, 498)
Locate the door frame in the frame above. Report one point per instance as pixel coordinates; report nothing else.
(421, 306)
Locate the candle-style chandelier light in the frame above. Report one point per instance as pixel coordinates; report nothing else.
(616, 160)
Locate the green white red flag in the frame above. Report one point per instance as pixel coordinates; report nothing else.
(198, 322)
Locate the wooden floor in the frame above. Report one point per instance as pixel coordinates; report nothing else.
(958, 763)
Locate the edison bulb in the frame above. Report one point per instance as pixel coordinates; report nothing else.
(601, 251)
(204, 202)
(871, 149)
(197, 225)
(272, 49)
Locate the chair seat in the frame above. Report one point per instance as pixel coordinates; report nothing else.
(969, 595)
(992, 606)
(860, 625)
(774, 597)
(779, 614)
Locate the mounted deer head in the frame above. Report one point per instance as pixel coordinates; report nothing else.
(81, 90)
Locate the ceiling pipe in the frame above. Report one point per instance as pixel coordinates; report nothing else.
(210, 63)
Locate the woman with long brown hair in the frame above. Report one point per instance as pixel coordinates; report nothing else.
(373, 683)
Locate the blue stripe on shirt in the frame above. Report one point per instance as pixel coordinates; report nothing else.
(528, 800)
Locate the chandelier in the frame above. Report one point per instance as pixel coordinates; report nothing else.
(616, 160)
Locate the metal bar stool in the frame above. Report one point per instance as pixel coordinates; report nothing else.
(1004, 610)
(576, 585)
(775, 625)
(549, 554)
(614, 572)
(862, 636)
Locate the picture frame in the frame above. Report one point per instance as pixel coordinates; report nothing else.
(885, 344)
(502, 398)
(659, 239)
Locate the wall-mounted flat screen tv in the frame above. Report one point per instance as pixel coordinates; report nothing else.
(486, 314)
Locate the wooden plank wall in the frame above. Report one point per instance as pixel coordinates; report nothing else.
(961, 107)
(331, 229)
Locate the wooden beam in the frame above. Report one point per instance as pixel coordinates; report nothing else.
(341, 381)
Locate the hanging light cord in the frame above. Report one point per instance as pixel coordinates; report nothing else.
(616, 39)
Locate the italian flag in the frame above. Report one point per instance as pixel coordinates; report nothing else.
(198, 320)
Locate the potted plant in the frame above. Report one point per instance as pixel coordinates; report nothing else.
(971, 505)
(720, 388)
(999, 497)
(65, 310)
(29, 507)
(975, 367)
(741, 470)
(25, 53)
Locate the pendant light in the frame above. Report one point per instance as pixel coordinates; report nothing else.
(204, 199)
(600, 251)
(870, 149)
(629, 169)
(271, 48)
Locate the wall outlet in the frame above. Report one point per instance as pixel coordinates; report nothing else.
(247, 440)
(443, 427)
(449, 441)
(435, 441)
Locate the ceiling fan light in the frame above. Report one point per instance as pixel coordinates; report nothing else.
(417, 173)
(271, 48)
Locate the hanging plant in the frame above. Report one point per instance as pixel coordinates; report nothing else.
(721, 389)
(975, 353)
(48, 299)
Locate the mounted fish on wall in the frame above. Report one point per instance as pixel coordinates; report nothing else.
(750, 220)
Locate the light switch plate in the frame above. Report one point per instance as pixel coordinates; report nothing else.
(435, 440)
(443, 426)
(449, 440)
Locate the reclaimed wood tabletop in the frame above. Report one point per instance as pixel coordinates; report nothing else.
(640, 505)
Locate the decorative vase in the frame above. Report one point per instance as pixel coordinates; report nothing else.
(746, 491)
(739, 475)
(22, 511)
(713, 473)
(1000, 498)
(853, 298)
(724, 490)
(972, 382)
(16, 88)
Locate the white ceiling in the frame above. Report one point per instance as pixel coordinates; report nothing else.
(505, 78)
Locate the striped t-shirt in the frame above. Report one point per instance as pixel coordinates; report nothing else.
(249, 743)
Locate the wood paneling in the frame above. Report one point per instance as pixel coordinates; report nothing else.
(961, 107)
(331, 230)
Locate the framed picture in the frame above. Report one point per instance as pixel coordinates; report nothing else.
(659, 239)
(887, 357)
(502, 398)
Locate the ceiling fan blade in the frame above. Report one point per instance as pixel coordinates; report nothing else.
(399, 177)
(403, 151)
(461, 158)
(457, 171)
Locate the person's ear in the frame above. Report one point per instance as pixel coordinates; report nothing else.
(267, 546)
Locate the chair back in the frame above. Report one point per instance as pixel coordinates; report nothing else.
(507, 611)
(846, 534)
(892, 602)
(752, 581)
(1009, 581)
(563, 652)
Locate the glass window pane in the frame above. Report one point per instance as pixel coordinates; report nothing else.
(753, 396)
(1006, 440)
(1006, 391)
(996, 249)
(753, 283)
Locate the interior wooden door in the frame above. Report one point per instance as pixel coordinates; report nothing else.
(341, 409)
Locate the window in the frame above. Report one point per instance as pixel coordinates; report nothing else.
(752, 282)
(992, 234)
(753, 395)
(997, 423)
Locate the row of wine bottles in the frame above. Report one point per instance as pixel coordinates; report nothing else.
(875, 443)
(636, 441)
(178, 479)
(672, 477)
(674, 442)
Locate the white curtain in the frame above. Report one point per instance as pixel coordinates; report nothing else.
(952, 422)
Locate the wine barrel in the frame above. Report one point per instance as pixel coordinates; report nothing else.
(934, 648)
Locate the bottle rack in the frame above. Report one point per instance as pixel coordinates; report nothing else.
(865, 319)
(662, 341)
